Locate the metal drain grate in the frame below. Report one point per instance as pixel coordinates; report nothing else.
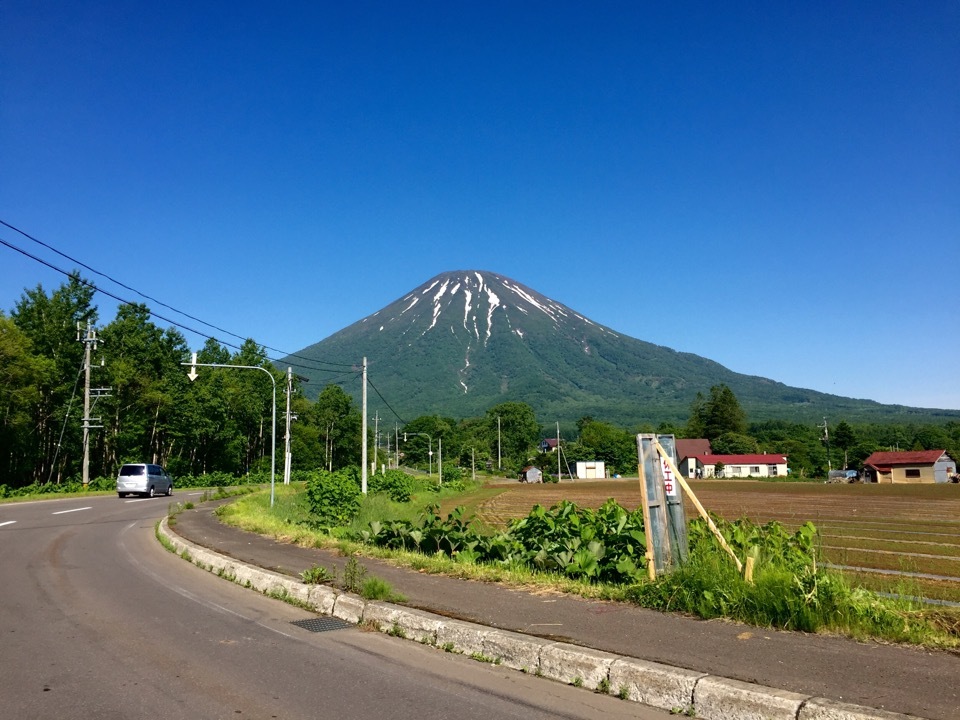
(322, 624)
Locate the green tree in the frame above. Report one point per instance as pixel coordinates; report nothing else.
(21, 374)
(734, 444)
(210, 440)
(697, 423)
(519, 431)
(723, 414)
(616, 447)
(50, 323)
(142, 416)
(335, 418)
(844, 438)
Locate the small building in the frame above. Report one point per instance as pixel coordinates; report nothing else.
(548, 445)
(688, 447)
(912, 466)
(531, 474)
(735, 466)
(687, 450)
(591, 469)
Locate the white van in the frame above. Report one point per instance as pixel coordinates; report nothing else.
(143, 479)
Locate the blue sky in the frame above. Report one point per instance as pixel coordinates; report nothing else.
(775, 186)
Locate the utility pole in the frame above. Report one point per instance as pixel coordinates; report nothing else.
(440, 461)
(499, 464)
(558, 452)
(376, 442)
(288, 455)
(363, 452)
(90, 344)
(286, 441)
(826, 439)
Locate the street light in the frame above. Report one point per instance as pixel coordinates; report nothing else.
(430, 446)
(273, 431)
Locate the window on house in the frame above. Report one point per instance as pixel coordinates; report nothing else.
(772, 470)
(736, 471)
(912, 472)
(754, 469)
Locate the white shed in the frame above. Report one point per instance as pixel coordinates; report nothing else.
(590, 470)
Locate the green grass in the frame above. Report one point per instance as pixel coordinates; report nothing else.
(709, 588)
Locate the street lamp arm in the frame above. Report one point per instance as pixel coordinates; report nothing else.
(273, 430)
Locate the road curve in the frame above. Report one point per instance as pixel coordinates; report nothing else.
(98, 620)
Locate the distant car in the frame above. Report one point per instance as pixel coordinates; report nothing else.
(143, 479)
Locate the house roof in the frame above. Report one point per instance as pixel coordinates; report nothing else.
(549, 442)
(885, 460)
(761, 459)
(689, 447)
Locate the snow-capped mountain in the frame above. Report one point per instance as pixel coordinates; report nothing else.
(467, 340)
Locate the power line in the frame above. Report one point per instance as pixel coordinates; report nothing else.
(389, 407)
(161, 317)
(143, 295)
(124, 301)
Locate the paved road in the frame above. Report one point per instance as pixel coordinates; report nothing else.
(99, 621)
(901, 679)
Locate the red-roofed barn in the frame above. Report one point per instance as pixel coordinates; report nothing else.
(912, 466)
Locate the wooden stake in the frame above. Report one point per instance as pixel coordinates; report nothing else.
(700, 508)
(647, 531)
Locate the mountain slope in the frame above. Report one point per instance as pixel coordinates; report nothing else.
(467, 340)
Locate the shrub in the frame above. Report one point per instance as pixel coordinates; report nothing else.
(334, 498)
(395, 483)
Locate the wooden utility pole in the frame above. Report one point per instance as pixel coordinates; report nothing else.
(363, 452)
(90, 344)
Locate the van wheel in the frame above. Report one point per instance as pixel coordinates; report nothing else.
(169, 489)
(151, 492)
(121, 495)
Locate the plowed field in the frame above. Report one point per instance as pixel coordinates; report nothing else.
(897, 538)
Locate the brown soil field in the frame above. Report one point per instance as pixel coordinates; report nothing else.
(886, 535)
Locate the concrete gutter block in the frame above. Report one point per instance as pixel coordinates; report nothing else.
(349, 608)
(514, 650)
(382, 615)
(824, 709)
(296, 590)
(462, 637)
(722, 699)
(323, 598)
(244, 575)
(417, 625)
(650, 683)
(570, 663)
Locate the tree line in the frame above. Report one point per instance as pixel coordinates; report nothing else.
(150, 411)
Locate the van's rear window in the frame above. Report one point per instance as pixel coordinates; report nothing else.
(132, 470)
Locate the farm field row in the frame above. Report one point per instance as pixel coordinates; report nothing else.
(909, 535)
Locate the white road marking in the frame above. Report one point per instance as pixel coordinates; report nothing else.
(62, 512)
(8, 522)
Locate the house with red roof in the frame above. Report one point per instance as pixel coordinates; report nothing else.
(688, 447)
(734, 466)
(911, 466)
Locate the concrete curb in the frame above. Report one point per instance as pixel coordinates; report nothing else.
(661, 686)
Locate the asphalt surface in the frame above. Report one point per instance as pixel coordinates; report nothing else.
(98, 620)
(888, 677)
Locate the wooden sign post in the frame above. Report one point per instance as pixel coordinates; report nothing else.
(664, 516)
